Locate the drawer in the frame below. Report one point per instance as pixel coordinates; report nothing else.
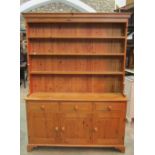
(43, 106)
(109, 106)
(76, 106)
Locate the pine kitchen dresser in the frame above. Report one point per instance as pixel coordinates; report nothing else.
(76, 65)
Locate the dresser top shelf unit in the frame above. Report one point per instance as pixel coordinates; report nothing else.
(87, 48)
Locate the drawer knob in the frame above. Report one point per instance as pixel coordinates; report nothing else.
(63, 128)
(109, 108)
(95, 129)
(42, 107)
(56, 128)
(76, 107)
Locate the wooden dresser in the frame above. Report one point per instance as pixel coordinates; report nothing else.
(76, 68)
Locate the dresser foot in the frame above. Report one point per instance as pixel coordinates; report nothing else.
(120, 148)
(30, 147)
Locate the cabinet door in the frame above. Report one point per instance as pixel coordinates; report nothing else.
(75, 123)
(75, 128)
(108, 126)
(43, 122)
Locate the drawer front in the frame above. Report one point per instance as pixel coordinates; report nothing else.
(109, 106)
(41, 106)
(76, 106)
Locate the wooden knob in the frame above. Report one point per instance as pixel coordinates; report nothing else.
(56, 128)
(63, 128)
(95, 129)
(42, 107)
(109, 108)
(75, 107)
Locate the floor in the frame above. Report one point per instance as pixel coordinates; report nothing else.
(129, 139)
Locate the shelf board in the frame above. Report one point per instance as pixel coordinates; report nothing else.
(74, 73)
(76, 54)
(49, 96)
(76, 37)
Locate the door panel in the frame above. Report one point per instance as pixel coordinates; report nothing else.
(75, 128)
(37, 126)
(107, 128)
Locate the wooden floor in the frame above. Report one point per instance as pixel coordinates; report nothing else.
(129, 141)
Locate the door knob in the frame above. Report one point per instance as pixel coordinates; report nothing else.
(56, 128)
(42, 107)
(109, 108)
(95, 129)
(75, 107)
(63, 128)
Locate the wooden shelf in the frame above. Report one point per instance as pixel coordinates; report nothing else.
(76, 96)
(77, 73)
(76, 54)
(76, 37)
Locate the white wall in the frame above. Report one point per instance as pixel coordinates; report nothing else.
(120, 3)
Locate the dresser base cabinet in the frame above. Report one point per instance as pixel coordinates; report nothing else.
(76, 123)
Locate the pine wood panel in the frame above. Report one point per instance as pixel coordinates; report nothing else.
(76, 46)
(76, 83)
(76, 29)
(73, 63)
